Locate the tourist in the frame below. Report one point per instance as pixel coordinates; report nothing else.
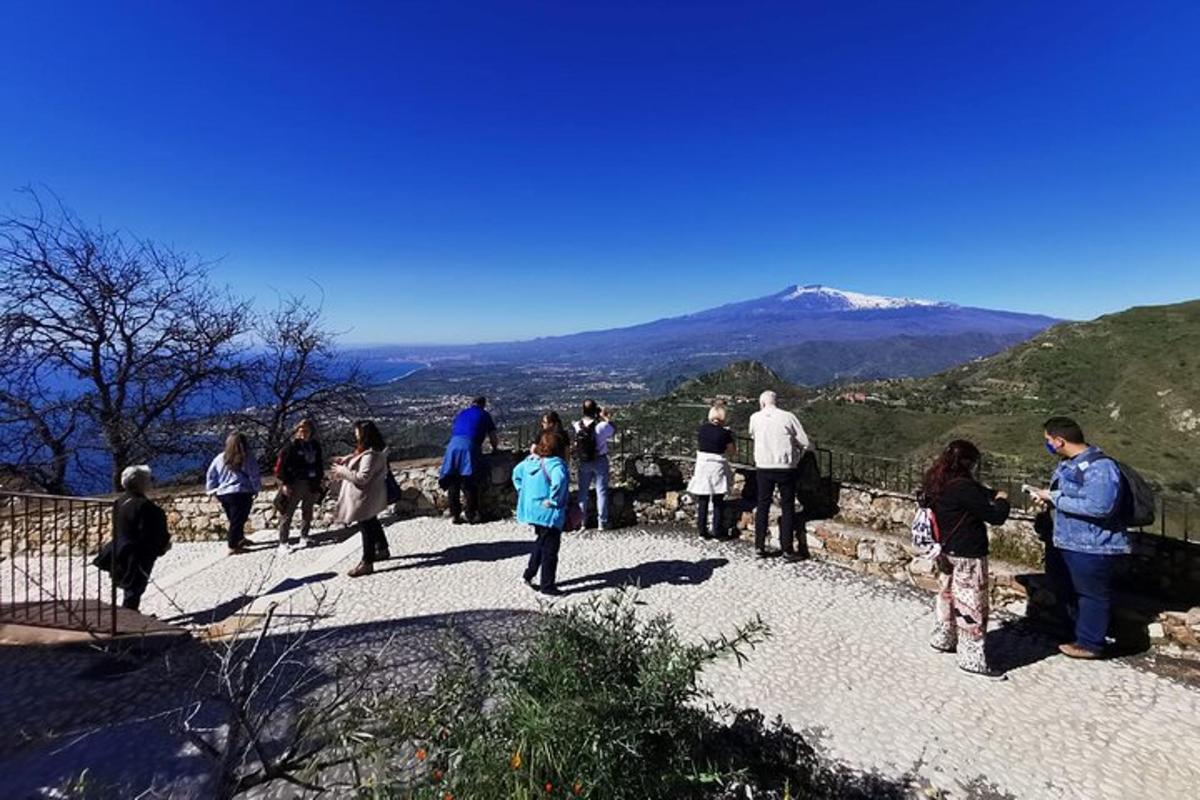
(363, 493)
(711, 478)
(301, 470)
(963, 508)
(233, 478)
(1089, 535)
(543, 490)
(463, 468)
(592, 435)
(551, 421)
(779, 444)
(140, 536)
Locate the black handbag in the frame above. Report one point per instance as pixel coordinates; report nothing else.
(104, 558)
(393, 488)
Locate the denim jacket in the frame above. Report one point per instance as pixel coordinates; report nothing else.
(1086, 498)
(538, 481)
(220, 479)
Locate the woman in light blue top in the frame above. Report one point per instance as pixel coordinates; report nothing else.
(543, 491)
(233, 478)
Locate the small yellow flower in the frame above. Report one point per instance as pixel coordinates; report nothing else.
(515, 761)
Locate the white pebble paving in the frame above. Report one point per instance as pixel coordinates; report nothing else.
(847, 660)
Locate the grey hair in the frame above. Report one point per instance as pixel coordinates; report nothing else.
(134, 474)
(767, 398)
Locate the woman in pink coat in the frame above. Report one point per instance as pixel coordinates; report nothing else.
(363, 495)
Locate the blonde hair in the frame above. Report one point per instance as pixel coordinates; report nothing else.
(716, 414)
(236, 449)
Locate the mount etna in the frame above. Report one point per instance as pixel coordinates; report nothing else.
(808, 334)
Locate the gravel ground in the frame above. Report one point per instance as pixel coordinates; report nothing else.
(848, 661)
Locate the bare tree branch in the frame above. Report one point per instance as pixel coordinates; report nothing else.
(298, 373)
(134, 323)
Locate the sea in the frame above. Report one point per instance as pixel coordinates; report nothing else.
(88, 473)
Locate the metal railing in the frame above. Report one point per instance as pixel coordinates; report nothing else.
(1176, 518)
(46, 573)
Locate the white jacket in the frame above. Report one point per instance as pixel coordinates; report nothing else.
(779, 439)
(364, 487)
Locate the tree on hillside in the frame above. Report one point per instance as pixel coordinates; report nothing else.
(134, 323)
(37, 423)
(299, 373)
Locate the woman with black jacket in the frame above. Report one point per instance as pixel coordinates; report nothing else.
(963, 508)
(301, 471)
(140, 536)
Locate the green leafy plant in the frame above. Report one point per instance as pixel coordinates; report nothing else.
(600, 703)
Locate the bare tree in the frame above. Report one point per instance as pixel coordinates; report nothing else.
(134, 322)
(38, 421)
(299, 373)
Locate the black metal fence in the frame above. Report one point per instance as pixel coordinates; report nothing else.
(46, 574)
(1176, 517)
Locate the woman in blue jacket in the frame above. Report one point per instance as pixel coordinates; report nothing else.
(233, 477)
(543, 490)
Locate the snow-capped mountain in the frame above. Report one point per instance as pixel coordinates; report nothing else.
(824, 298)
(800, 323)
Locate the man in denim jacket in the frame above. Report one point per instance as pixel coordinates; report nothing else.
(1089, 536)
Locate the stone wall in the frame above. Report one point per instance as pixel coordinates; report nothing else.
(1159, 584)
(195, 516)
(869, 534)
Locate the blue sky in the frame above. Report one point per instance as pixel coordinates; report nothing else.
(475, 171)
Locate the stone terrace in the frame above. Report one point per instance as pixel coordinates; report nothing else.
(847, 662)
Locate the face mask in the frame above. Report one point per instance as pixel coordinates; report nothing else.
(1050, 449)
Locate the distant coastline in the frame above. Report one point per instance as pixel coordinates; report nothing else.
(414, 370)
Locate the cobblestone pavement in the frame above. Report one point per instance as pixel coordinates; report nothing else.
(848, 660)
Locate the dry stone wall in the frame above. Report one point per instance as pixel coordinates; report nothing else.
(195, 516)
(869, 535)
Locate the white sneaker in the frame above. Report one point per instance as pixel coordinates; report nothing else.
(300, 545)
(283, 549)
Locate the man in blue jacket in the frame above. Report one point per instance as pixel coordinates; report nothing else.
(463, 467)
(1089, 535)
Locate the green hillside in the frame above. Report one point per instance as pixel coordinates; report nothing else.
(1132, 380)
(819, 363)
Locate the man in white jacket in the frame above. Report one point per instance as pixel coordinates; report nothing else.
(779, 443)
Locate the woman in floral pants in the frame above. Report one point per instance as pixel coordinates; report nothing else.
(963, 508)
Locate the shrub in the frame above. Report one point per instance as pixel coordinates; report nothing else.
(600, 704)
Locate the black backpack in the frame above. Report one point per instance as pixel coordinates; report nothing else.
(585, 441)
(1137, 503)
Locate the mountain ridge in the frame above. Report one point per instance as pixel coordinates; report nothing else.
(666, 350)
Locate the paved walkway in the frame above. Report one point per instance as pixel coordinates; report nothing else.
(847, 662)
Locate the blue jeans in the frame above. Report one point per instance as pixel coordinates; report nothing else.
(598, 470)
(1085, 585)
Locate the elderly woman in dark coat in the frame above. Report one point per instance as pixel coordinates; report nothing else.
(139, 538)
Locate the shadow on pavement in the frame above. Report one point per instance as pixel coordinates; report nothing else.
(78, 708)
(674, 572)
(1017, 644)
(460, 554)
(226, 609)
